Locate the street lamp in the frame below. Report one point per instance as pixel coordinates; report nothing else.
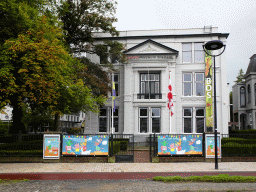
(214, 45)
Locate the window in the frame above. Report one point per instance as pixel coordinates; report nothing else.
(155, 120)
(200, 120)
(116, 81)
(197, 84)
(199, 53)
(143, 117)
(115, 119)
(187, 84)
(242, 96)
(255, 93)
(114, 59)
(149, 86)
(199, 81)
(149, 120)
(105, 120)
(189, 117)
(249, 93)
(187, 120)
(187, 52)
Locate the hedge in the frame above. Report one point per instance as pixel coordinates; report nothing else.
(238, 141)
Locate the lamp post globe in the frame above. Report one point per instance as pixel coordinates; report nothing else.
(214, 45)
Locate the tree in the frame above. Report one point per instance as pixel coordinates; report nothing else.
(240, 77)
(35, 64)
(36, 69)
(80, 19)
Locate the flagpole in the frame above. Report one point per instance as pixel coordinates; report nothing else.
(170, 73)
(112, 128)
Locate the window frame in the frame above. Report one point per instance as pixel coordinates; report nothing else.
(242, 87)
(193, 92)
(193, 118)
(255, 94)
(148, 85)
(187, 51)
(199, 50)
(249, 93)
(199, 117)
(149, 118)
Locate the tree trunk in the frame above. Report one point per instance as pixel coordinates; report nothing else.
(17, 115)
(57, 122)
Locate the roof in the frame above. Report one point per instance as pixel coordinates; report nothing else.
(153, 42)
(252, 65)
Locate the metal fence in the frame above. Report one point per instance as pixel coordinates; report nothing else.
(121, 144)
(23, 145)
(238, 145)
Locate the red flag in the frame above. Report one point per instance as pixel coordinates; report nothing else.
(170, 87)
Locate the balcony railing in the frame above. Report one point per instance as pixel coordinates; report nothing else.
(149, 96)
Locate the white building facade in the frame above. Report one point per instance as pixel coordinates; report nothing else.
(157, 59)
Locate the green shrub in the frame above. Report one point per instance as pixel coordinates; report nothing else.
(249, 131)
(216, 178)
(123, 145)
(193, 178)
(173, 179)
(158, 178)
(74, 130)
(24, 145)
(118, 145)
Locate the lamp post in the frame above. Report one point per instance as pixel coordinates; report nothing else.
(214, 45)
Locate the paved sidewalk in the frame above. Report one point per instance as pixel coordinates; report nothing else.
(126, 167)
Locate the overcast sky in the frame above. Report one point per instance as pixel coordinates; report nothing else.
(236, 17)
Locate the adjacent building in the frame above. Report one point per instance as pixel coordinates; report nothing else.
(244, 99)
(165, 67)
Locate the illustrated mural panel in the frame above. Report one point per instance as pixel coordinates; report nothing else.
(210, 146)
(51, 146)
(184, 144)
(85, 145)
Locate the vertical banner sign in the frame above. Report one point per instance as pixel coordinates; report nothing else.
(208, 92)
(210, 146)
(51, 148)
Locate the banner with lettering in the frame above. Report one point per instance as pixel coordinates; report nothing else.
(208, 92)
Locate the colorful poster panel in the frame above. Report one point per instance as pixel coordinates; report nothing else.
(185, 144)
(51, 146)
(210, 146)
(85, 145)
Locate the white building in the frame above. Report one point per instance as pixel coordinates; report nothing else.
(142, 83)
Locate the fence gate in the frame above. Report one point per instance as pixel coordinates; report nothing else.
(122, 147)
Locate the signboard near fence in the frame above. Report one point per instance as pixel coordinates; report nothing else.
(85, 145)
(183, 144)
(210, 146)
(51, 146)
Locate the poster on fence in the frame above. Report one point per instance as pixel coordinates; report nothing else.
(51, 146)
(210, 146)
(85, 145)
(184, 144)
